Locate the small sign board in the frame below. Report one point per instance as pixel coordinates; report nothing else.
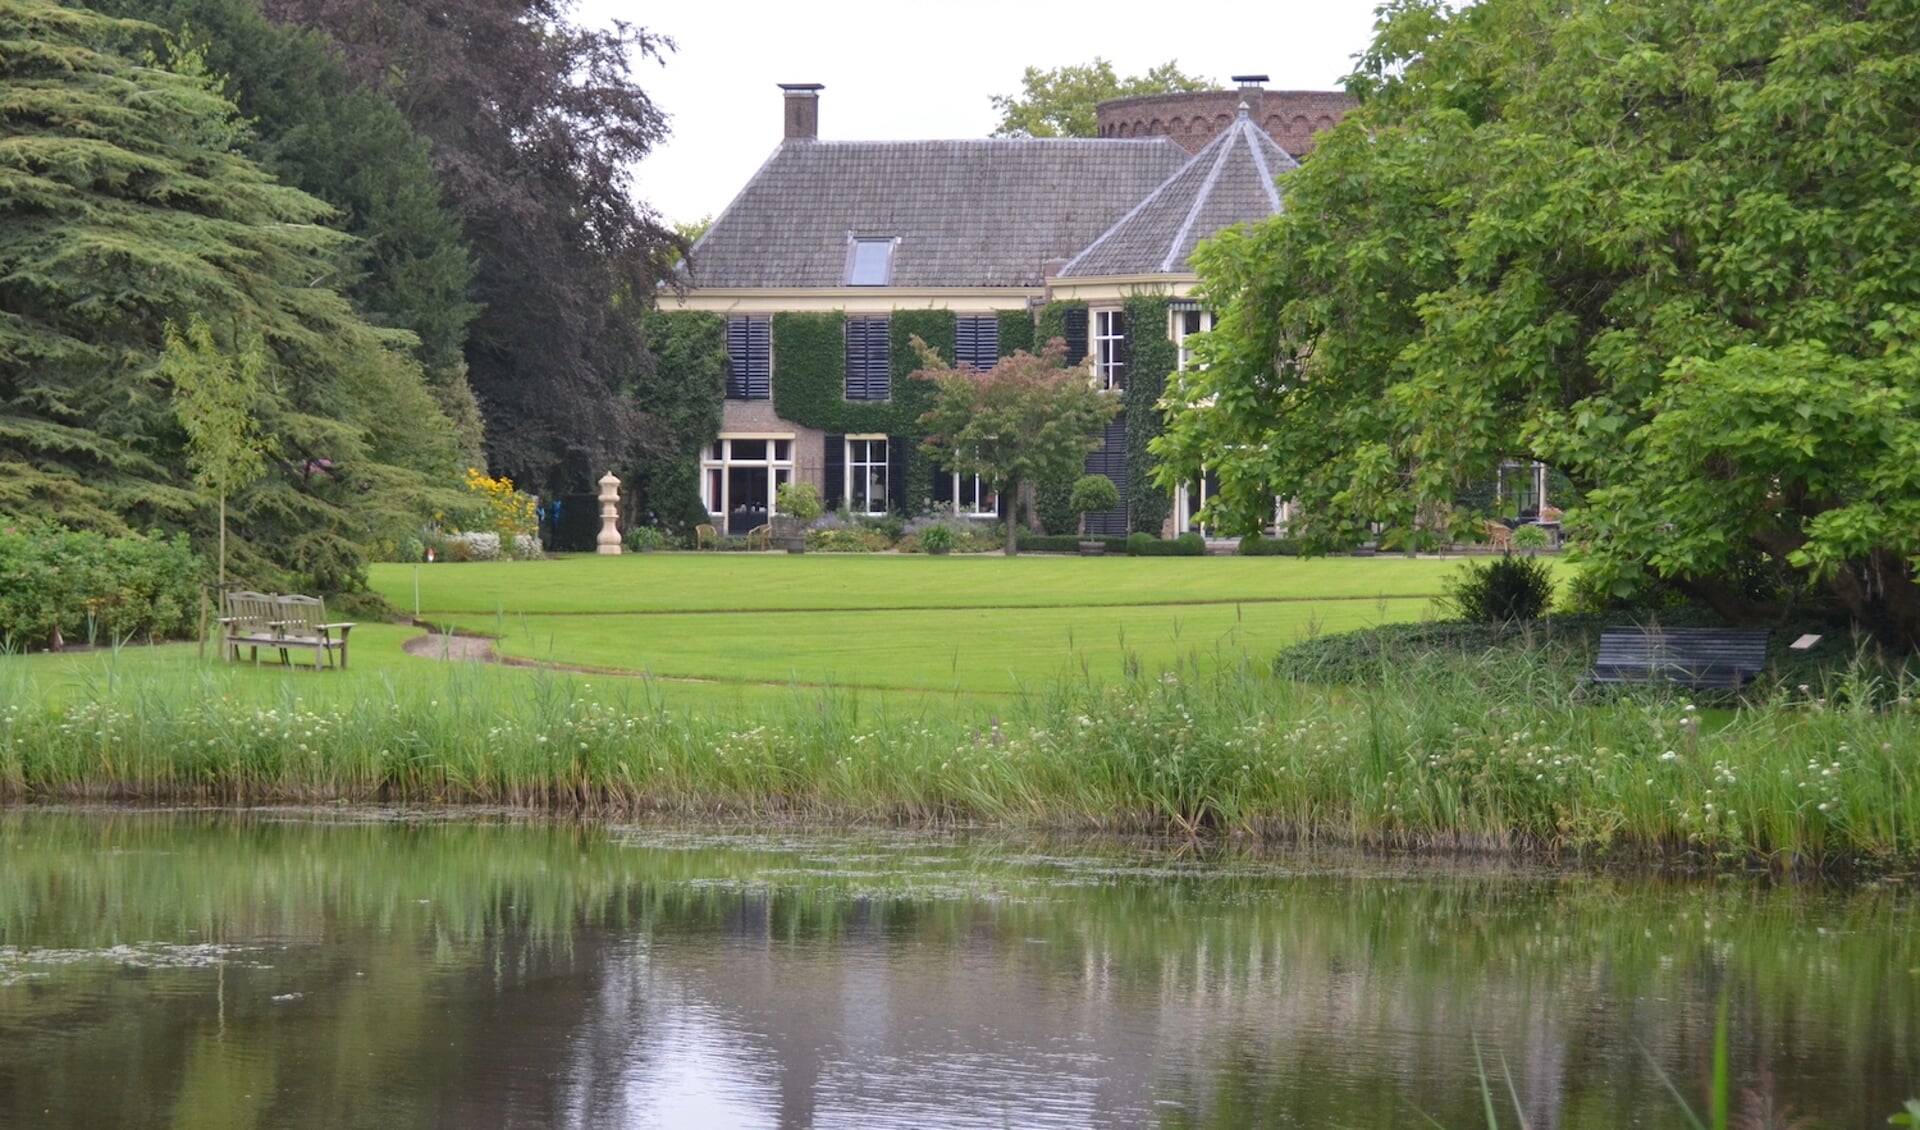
(1804, 642)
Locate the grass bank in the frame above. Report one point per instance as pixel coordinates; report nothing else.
(1129, 694)
(1501, 753)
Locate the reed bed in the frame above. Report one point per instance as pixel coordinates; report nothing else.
(1501, 753)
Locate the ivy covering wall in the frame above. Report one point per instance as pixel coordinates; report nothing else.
(1016, 331)
(1053, 323)
(1152, 357)
(809, 386)
(684, 392)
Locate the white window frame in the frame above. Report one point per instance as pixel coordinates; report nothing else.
(1179, 333)
(1186, 507)
(849, 478)
(968, 493)
(715, 485)
(1107, 342)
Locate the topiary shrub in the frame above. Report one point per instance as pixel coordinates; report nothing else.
(1506, 589)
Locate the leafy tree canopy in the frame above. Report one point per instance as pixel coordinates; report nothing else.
(535, 124)
(313, 129)
(1028, 418)
(1060, 102)
(126, 203)
(1670, 247)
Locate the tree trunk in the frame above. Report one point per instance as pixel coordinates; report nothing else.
(1881, 596)
(1013, 518)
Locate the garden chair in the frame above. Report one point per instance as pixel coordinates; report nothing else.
(761, 536)
(706, 537)
(1498, 536)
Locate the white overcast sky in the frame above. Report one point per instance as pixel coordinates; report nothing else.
(913, 69)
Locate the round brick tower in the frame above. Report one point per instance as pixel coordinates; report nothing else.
(1290, 117)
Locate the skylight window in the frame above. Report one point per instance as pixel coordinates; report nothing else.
(870, 260)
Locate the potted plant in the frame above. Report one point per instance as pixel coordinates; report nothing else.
(1531, 538)
(937, 539)
(795, 506)
(1092, 493)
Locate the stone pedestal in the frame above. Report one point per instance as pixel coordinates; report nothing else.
(608, 540)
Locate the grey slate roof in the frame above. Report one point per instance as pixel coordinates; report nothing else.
(1228, 182)
(967, 213)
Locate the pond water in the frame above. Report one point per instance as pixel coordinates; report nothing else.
(296, 969)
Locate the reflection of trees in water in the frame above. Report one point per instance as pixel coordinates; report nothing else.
(471, 974)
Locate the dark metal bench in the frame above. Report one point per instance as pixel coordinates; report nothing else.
(1722, 658)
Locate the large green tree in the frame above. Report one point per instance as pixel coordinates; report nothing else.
(1061, 102)
(126, 203)
(536, 124)
(1026, 419)
(1670, 247)
(312, 127)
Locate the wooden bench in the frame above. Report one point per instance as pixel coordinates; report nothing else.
(254, 620)
(1720, 658)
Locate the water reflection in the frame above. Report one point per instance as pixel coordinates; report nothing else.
(215, 970)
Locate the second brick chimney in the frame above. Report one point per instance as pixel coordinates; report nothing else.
(801, 113)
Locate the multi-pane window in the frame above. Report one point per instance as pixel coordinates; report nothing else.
(973, 498)
(867, 474)
(739, 475)
(976, 340)
(1186, 323)
(749, 358)
(869, 375)
(1110, 349)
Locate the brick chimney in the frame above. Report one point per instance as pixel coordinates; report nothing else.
(802, 110)
(1253, 91)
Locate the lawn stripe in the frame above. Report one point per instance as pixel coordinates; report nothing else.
(810, 610)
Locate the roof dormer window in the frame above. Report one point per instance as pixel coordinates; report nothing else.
(870, 260)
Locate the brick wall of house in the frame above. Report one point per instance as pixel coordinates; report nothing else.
(1290, 117)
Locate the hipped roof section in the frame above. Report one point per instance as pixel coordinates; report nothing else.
(982, 213)
(1229, 181)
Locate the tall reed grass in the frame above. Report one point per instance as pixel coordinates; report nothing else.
(1500, 753)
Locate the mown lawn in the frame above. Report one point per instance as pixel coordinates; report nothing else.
(908, 623)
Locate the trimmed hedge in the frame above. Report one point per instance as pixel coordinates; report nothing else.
(1066, 543)
(1260, 545)
(1146, 545)
(1133, 545)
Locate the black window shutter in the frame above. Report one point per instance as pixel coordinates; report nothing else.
(836, 470)
(749, 358)
(760, 358)
(1110, 459)
(855, 361)
(896, 474)
(1076, 335)
(869, 366)
(976, 341)
(879, 359)
(738, 330)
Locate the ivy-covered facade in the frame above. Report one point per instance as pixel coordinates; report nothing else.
(837, 256)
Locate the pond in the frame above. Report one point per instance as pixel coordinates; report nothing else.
(293, 969)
